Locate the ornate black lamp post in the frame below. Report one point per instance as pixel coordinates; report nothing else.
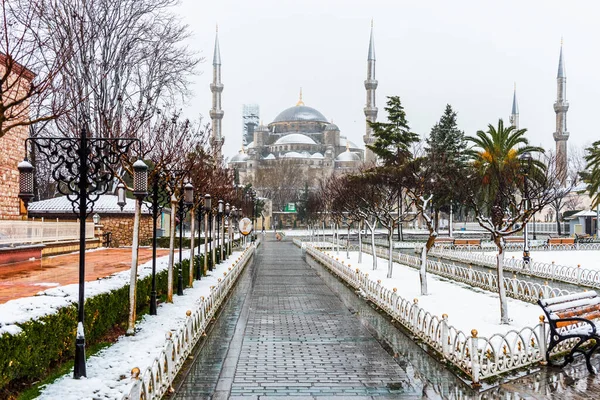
(199, 213)
(232, 227)
(83, 167)
(158, 198)
(220, 211)
(186, 200)
(526, 160)
(208, 233)
(227, 212)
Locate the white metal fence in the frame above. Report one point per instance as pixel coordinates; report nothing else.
(156, 380)
(26, 232)
(478, 357)
(577, 275)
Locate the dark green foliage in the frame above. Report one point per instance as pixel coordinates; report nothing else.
(393, 139)
(592, 177)
(164, 242)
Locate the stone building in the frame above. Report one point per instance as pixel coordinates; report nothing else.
(12, 144)
(112, 219)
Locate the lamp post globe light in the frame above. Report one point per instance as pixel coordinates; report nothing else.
(83, 168)
(525, 159)
(186, 200)
(208, 233)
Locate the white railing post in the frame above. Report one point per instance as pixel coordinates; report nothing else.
(445, 336)
(475, 358)
(136, 388)
(542, 340)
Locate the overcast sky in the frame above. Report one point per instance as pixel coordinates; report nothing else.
(430, 53)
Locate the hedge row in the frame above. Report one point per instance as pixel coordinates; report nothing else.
(48, 341)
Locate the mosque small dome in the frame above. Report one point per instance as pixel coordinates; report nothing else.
(269, 157)
(294, 138)
(239, 157)
(294, 154)
(317, 155)
(347, 156)
(332, 127)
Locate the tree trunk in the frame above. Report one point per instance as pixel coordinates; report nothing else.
(192, 243)
(135, 247)
(558, 225)
(436, 222)
(171, 251)
(423, 271)
(390, 251)
(348, 244)
(360, 225)
(501, 290)
(373, 249)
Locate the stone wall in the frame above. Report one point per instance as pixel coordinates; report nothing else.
(121, 229)
(12, 144)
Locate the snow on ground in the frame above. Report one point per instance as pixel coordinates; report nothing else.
(467, 307)
(109, 371)
(588, 259)
(51, 300)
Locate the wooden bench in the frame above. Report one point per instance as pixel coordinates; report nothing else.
(584, 238)
(571, 317)
(561, 241)
(467, 242)
(514, 239)
(444, 241)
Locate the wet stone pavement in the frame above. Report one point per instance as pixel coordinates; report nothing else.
(291, 329)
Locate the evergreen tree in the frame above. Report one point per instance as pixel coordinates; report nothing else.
(446, 156)
(393, 138)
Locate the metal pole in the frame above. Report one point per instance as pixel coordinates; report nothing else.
(450, 228)
(198, 269)
(79, 368)
(526, 257)
(181, 213)
(153, 310)
(219, 245)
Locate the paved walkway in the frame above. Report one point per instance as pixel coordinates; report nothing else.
(293, 336)
(27, 278)
(291, 329)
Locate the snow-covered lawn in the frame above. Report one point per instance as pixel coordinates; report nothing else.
(467, 307)
(108, 372)
(588, 259)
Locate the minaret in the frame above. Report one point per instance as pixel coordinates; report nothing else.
(216, 114)
(561, 106)
(514, 114)
(370, 108)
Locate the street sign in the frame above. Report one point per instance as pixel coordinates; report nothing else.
(245, 226)
(290, 207)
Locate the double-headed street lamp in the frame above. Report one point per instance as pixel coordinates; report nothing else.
(83, 168)
(526, 159)
(186, 201)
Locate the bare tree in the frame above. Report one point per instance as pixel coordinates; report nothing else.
(29, 72)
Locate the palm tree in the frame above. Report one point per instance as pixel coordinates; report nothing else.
(504, 170)
(592, 159)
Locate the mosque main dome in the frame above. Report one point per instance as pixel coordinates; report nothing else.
(300, 113)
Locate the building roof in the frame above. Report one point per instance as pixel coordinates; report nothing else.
(106, 204)
(561, 64)
(583, 213)
(300, 113)
(294, 138)
(269, 157)
(317, 155)
(347, 156)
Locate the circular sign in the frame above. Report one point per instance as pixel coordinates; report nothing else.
(245, 226)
